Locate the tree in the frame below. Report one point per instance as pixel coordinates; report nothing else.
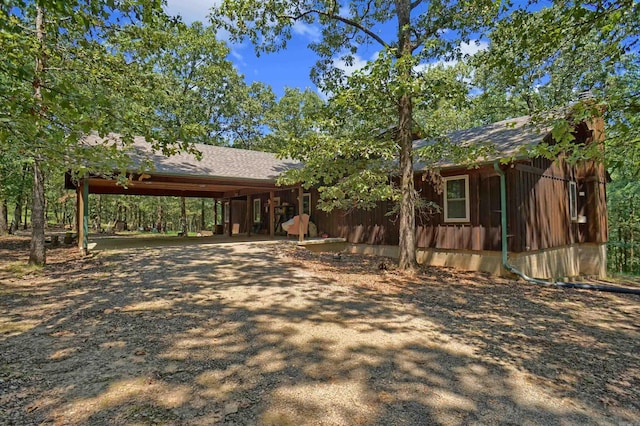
(541, 60)
(199, 95)
(419, 38)
(65, 82)
(293, 118)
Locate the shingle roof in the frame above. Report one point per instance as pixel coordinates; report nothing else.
(509, 138)
(216, 161)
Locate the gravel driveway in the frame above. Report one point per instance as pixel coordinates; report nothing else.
(259, 333)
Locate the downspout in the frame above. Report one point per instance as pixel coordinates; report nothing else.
(513, 269)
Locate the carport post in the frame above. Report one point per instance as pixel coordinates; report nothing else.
(300, 212)
(83, 216)
(248, 220)
(272, 229)
(215, 214)
(230, 217)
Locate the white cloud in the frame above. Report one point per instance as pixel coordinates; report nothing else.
(358, 64)
(324, 96)
(238, 57)
(467, 49)
(306, 30)
(473, 47)
(191, 10)
(422, 67)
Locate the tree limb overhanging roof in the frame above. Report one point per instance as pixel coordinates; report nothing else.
(216, 161)
(508, 138)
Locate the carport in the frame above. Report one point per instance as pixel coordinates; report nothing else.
(221, 173)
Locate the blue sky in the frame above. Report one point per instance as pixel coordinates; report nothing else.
(287, 68)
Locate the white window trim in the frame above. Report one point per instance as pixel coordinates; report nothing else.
(257, 213)
(573, 201)
(467, 201)
(305, 195)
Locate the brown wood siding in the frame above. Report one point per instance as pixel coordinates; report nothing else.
(356, 226)
(538, 203)
(482, 232)
(239, 209)
(238, 217)
(538, 214)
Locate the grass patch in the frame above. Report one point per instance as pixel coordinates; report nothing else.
(20, 269)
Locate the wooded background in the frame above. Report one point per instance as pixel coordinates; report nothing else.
(68, 67)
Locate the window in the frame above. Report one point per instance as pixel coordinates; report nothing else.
(256, 210)
(226, 212)
(573, 201)
(456, 199)
(306, 203)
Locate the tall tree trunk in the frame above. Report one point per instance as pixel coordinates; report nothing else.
(632, 237)
(26, 214)
(202, 214)
(183, 216)
(37, 254)
(56, 211)
(4, 220)
(17, 211)
(159, 217)
(407, 238)
(17, 215)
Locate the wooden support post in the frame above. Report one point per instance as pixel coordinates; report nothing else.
(249, 217)
(215, 214)
(78, 221)
(272, 225)
(83, 216)
(300, 212)
(230, 217)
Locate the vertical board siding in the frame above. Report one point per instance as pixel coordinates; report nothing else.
(375, 227)
(358, 226)
(541, 193)
(538, 214)
(239, 216)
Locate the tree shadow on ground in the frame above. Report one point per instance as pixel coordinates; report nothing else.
(243, 334)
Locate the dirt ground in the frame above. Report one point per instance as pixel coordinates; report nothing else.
(265, 333)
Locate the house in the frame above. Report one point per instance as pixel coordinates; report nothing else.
(546, 219)
(556, 217)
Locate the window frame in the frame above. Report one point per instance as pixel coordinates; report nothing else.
(257, 213)
(573, 201)
(306, 195)
(467, 200)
